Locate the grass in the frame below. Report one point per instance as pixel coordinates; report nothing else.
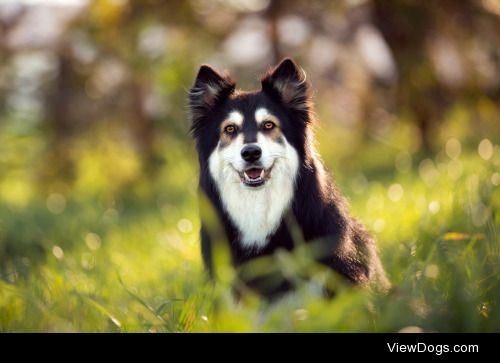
(105, 256)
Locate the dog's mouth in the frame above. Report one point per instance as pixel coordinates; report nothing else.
(255, 176)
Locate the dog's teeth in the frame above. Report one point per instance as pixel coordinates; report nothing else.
(246, 178)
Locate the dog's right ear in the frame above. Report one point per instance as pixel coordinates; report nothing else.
(288, 82)
(209, 89)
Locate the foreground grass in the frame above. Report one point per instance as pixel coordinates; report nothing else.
(131, 263)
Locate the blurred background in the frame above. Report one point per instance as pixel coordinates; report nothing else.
(98, 175)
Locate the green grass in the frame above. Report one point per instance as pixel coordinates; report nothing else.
(118, 252)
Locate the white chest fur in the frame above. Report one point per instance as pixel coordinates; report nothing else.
(256, 212)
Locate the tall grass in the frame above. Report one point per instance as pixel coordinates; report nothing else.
(102, 257)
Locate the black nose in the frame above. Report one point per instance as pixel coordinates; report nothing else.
(251, 153)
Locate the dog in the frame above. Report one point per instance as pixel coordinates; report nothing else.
(258, 164)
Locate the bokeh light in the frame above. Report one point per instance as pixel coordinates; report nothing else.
(485, 149)
(453, 148)
(99, 203)
(395, 192)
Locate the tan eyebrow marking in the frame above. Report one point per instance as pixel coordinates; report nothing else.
(262, 114)
(234, 118)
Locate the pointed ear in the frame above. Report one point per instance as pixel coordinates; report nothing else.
(208, 90)
(288, 81)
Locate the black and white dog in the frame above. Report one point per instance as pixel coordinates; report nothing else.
(258, 163)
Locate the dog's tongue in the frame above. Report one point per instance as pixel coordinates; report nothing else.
(253, 173)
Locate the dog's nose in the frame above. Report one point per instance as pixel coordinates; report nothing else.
(251, 153)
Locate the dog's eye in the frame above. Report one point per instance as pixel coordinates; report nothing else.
(230, 129)
(268, 125)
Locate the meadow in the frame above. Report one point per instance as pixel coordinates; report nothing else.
(120, 252)
(99, 207)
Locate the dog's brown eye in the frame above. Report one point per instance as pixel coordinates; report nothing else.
(268, 125)
(230, 129)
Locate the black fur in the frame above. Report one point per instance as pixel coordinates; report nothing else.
(317, 207)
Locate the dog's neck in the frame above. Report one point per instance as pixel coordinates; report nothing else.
(257, 212)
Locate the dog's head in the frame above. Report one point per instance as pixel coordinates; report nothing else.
(251, 137)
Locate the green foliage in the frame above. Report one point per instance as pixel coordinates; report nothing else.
(100, 257)
(99, 207)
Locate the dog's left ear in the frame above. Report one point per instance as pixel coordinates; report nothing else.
(209, 89)
(288, 81)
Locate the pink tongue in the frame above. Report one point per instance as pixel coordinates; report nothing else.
(253, 173)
